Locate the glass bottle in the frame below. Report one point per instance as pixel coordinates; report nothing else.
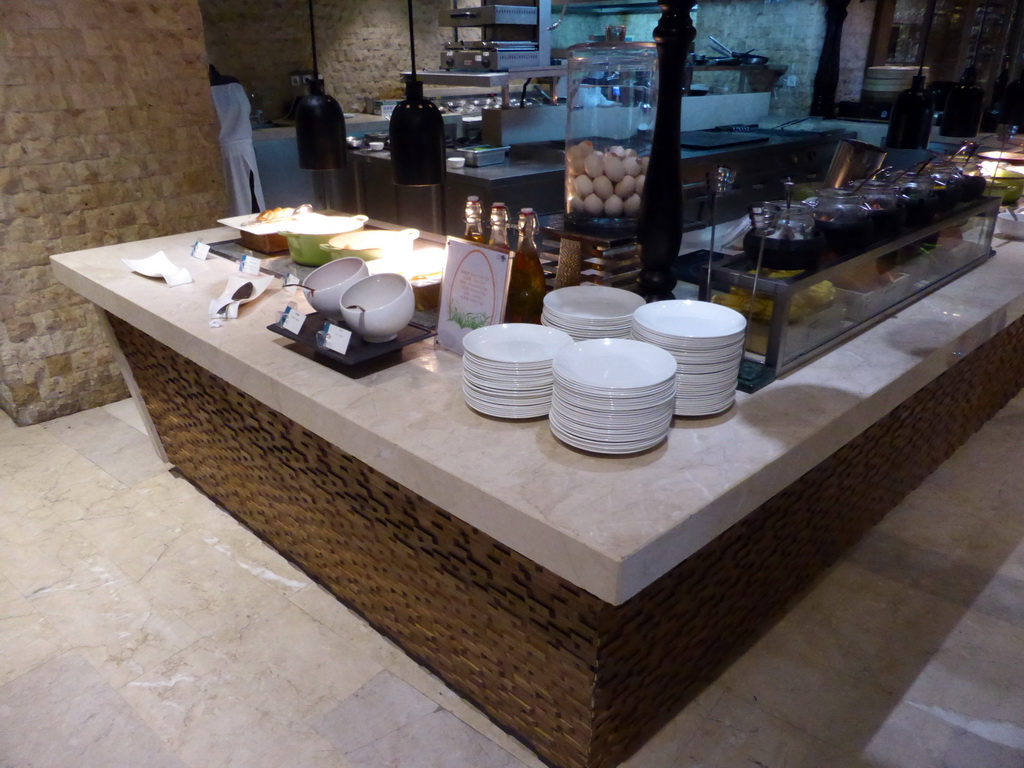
(474, 223)
(526, 281)
(949, 184)
(499, 226)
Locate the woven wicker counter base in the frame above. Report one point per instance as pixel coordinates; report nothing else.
(582, 682)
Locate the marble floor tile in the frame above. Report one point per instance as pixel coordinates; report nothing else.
(383, 705)
(127, 411)
(62, 713)
(26, 638)
(197, 646)
(438, 740)
(111, 443)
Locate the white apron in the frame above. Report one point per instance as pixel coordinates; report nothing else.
(236, 147)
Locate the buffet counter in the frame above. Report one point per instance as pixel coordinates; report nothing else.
(577, 599)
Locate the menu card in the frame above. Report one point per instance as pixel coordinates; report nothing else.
(473, 290)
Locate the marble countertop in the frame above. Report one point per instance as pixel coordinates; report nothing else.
(611, 525)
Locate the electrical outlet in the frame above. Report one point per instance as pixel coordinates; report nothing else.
(296, 80)
(789, 81)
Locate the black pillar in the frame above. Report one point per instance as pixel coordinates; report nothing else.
(661, 211)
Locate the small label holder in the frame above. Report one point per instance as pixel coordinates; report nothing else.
(200, 250)
(250, 265)
(291, 319)
(334, 338)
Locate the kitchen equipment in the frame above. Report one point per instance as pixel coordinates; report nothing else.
(843, 217)
(786, 237)
(483, 155)
(917, 191)
(511, 36)
(610, 120)
(885, 207)
(325, 285)
(307, 234)
(949, 184)
(378, 307)
(747, 58)
(853, 159)
(370, 244)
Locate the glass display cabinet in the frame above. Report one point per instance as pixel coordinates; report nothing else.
(798, 315)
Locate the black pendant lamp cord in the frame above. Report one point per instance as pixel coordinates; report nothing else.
(412, 42)
(981, 32)
(312, 38)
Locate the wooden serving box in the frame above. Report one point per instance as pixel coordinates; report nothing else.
(268, 243)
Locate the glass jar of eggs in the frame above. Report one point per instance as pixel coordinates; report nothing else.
(611, 102)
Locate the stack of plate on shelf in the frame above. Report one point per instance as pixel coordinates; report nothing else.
(612, 395)
(506, 369)
(706, 341)
(591, 311)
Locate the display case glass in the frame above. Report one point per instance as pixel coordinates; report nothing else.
(797, 315)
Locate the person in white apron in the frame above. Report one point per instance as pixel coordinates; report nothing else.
(240, 170)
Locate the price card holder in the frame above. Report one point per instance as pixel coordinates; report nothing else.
(200, 250)
(291, 283)
(250, 265)
(334, 338)
(473, 290)
(291, 319)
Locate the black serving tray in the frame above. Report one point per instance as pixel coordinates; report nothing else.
(359, 352)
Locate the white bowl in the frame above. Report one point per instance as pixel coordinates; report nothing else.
(329, 283)
(456, 162)
(378, 307)
(1007, 227)
(376, 146)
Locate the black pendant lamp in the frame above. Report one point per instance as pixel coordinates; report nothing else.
(416, 132)
(1012, 111)
(966, 103)
(319, 121)
(910, 121)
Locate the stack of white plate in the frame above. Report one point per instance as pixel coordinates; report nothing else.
(612, 395)
(591, 311)
(506, 369)
(706, 341)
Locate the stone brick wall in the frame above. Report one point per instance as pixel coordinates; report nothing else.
(362, 47)
(107, 134)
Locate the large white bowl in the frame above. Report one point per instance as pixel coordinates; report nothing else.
(378, 307)
(328, 283)
(1008, 227)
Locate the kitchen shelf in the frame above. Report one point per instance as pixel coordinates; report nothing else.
(500, 80)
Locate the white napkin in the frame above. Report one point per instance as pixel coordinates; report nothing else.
(158, 265)
(224, 301)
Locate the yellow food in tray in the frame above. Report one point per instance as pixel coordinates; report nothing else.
(805, 303)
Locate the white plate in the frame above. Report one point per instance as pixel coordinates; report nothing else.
(614, 365)
(592, 302)
(690, 319)
(516, 342)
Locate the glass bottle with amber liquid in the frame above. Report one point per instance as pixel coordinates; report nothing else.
(499, 226)
(526, 281)
(474, 220)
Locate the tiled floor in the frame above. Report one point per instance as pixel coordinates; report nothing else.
(141, 626)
